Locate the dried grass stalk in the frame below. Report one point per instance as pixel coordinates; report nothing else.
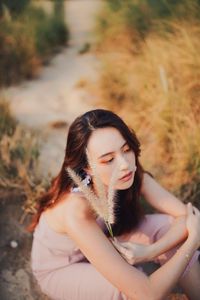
(103, 203)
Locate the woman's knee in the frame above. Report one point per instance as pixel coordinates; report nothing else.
(164, 223)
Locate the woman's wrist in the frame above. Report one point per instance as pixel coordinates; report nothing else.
(193, 239)
(152, 252)
(188, 249)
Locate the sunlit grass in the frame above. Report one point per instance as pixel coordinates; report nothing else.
(19, 153)
(154, 84)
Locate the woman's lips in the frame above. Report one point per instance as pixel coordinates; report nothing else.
(127, 177)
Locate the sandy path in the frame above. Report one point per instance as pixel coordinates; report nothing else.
(39, 103)
(54, 96)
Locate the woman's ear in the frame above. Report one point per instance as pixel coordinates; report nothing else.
(88, 171)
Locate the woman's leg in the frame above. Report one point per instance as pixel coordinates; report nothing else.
(190, 279)
(151, 229)
(79, 281)
(190, 283)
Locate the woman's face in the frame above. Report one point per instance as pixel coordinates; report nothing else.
(110, 151)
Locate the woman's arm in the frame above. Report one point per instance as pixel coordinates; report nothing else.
(185, 252)
(91, 240)
(177, 233)
(160, 198)
(135, 253)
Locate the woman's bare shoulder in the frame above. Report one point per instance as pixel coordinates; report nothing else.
(70, 206)
(77, 205)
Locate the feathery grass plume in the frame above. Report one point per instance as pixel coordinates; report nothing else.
(109, 201)
(89, 194)
(102, 204)
(112, 202)
(110, 198)
(98, 183)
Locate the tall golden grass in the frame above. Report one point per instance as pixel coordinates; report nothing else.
(29, 37)
(19, 153)
(154, 84)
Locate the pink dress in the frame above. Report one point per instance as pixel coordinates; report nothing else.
(63, 272)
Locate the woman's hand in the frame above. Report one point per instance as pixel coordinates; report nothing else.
(133, 253)
(193, 223)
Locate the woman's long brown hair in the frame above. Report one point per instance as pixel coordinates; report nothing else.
(129, 211)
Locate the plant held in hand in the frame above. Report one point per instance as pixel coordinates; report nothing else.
(104, 202)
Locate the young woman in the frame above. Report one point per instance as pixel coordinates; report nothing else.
(73, 257)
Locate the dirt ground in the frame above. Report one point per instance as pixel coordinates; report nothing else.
(16, 280)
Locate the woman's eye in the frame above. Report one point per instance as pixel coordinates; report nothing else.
(108, 161)
(127, 149)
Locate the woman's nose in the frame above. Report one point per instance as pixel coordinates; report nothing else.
(123, 163)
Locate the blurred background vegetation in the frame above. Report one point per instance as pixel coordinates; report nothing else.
(29, 36)
(151, 76)
(19, 152)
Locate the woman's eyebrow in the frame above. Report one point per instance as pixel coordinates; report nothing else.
(111, 152)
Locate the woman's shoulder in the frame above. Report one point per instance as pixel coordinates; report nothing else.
(70, 207)
(77, 205)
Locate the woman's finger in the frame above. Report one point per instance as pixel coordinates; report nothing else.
(120, 244)
(117, 245)
(122, 249)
